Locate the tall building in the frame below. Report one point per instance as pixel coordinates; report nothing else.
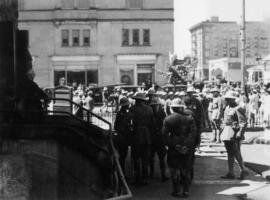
(214, 39)
(98, 41)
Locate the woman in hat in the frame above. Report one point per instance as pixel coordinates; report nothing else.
(235, 123)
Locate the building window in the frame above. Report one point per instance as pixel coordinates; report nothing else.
(146, 37)
(86, 37)
(67, 4)
(135, 4)
(65, 38)
(82, 4)
(125, 37)
(135, 37)
(75, 38)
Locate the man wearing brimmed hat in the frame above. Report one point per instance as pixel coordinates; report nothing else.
(197, 107)
(158, 144)
(143, 129)
(122, 126)
(235, 123)
(216, 113)
(168, 102)
(179, 132)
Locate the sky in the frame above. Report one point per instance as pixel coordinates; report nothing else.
(190, 12)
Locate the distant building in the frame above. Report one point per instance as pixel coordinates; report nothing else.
(98, 41)
(214, 39)
(260, 72)
(228, 69)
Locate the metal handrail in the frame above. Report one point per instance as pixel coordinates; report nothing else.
(84, 109)
(128, 194)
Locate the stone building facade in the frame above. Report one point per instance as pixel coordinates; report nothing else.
(214, 39)
(98, 41)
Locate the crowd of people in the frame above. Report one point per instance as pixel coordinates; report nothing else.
(169, 124)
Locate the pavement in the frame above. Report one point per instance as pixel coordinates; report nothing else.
(210, 164)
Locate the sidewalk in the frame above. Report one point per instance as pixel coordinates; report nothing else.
(210, 164)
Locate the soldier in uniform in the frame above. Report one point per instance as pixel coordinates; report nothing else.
(235, 122)
(216, 110)
(158, 143)
(179, 133)
(142, 123)
(122, 126)
(197, 108)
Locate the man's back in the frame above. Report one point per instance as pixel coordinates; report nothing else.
(179, 128)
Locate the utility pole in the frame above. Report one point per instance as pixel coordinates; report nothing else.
(243, 45)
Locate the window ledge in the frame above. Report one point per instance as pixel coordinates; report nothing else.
(136, 45)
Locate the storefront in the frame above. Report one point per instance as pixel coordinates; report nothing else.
(136, 69)
(79, 69)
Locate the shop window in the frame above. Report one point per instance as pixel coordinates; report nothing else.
(57, 76)
(125, 37)
(86, 37)
(76, 76)
(146, 37)
(92, 76)
(126, 76)
(135, 37)
(75, 38)
(145, 78)
(65, 38)
(135, 4)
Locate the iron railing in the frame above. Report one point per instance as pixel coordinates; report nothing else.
(123, 191)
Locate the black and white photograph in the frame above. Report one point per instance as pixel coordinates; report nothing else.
(134, 99)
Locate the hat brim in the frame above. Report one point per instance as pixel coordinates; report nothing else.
(230, 97)
(176, 106)
(139, 98)
(124, 104)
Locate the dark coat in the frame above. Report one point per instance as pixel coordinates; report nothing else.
(159, 116)
(122, 126)
(179, 129)
(143, 124)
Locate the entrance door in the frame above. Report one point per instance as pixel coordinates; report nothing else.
(145, 78)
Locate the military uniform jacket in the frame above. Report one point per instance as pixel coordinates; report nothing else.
(122, 126)
(142, 123)
(179, 129)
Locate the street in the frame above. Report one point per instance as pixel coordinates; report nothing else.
(210, 164)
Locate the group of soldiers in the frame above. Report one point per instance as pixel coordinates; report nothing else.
(151, 124)
(170, 123)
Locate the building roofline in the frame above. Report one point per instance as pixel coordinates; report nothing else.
(209, 23)
(98, 9)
